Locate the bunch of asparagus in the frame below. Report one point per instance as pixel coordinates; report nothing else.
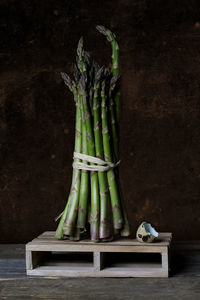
(95, 200)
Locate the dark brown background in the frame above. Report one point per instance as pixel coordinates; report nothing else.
(160, 129)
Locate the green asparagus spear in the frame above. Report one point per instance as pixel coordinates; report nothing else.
(105, 229)
(84, 187)
(115, 63)
(94, 215)
(68, 218)
(116, 209)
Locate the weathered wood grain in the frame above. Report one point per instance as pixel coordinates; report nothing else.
(102, 288)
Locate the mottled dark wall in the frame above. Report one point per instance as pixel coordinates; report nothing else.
(160, 129)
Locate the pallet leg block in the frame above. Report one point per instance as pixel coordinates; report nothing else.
(47, 256)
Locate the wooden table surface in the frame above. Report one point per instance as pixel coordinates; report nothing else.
(183, 284)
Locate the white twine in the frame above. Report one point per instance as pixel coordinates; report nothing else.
(102, 165)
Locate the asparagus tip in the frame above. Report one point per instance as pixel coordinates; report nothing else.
(103, 85)
(109, 34)
(96, 66)
(83, 80)
(114, 81)
(107, 72)
(67, 80)
(99, 73)
(87, 57)
(101, 29)
(80, 46)
(76, 73)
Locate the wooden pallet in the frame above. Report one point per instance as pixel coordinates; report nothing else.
(47, 256)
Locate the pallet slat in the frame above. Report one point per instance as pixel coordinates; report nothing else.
(164, 239)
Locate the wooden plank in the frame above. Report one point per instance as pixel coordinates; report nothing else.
(123, 245)
(29, 264)
(176, 288)
(12, 268)
(98, 261)
(52, 233)
(94, 248)
(164, 239)
(165, 263)
(108, 272)
(13, 251)
(55, 241)
(68, 264)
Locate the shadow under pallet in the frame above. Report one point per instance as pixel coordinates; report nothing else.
(47, 256)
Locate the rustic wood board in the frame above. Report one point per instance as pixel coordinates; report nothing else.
(40, 255)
